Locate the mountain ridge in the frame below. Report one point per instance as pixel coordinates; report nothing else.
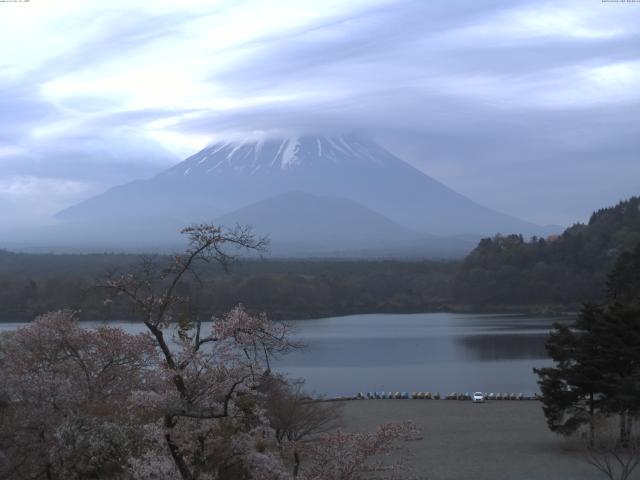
(226, 176)
(337, 166)
(301, 223)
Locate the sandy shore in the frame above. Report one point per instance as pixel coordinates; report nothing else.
(497, 440)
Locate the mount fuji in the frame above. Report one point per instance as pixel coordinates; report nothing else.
(345, 185)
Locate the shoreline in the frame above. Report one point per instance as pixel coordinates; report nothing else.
(537, 311)
(437, 397)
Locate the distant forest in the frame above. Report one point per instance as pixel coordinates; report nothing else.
(504, 273)
(34, 284)
(563, 270)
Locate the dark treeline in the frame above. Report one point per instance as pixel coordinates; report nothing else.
(34, 284)
(564, 270)
(504, 273)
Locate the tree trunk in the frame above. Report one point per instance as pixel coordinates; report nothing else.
(624, 437)
(296, 463)
(178, 458)
(592, 424)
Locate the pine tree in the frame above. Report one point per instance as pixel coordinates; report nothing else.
(597, 359)
(571, 391)
(618, 336)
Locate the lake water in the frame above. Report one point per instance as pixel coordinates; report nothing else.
(436, 352)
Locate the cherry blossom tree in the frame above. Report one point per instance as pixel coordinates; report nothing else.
(66, 391)
(342, 455)
(183, 401)
(211, 421)
(296, 417)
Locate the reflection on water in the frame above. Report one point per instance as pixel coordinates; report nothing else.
(502, 347)
(423, 352)
(441, 352)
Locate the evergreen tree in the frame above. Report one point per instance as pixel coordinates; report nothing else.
(623, 285)
(571, 391)
(597, 359)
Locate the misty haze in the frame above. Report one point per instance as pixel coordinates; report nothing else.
(278, 240)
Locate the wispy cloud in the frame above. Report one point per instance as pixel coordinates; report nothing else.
(101, 92)
(42, 196)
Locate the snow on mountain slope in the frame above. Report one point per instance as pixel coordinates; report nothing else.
(260, 156)
(227, 176)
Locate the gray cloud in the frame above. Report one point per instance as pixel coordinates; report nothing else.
(41, 175)
(551, 163)
(528, 121)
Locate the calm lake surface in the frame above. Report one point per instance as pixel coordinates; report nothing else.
(436, 352)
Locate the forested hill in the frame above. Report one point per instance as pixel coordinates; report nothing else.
(32, 284)
(563, 270)
(502, 273)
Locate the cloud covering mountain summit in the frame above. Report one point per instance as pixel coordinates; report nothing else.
(226, 177)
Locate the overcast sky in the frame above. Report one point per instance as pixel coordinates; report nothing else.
(529, 107)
